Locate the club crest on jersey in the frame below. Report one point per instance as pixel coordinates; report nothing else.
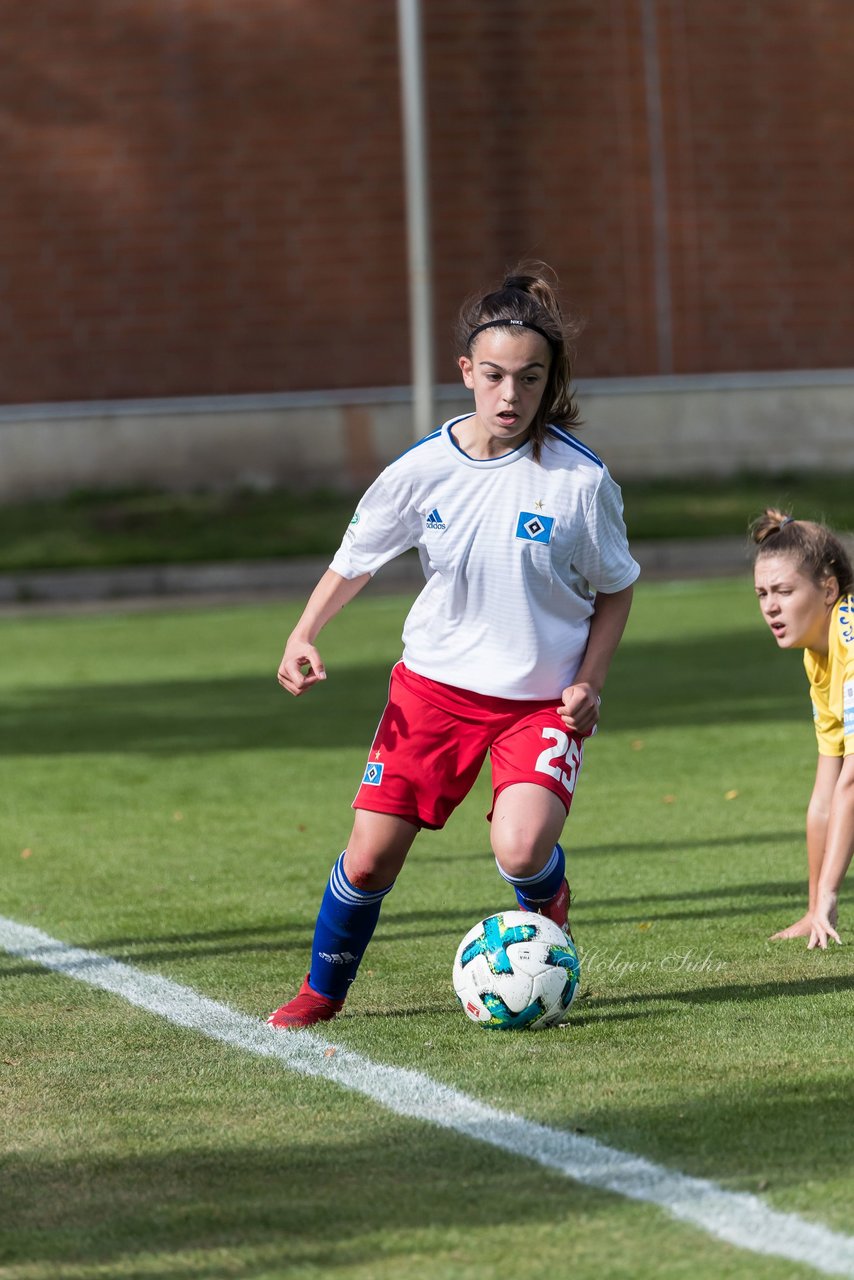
(373, 775)
(435, 523)
(531, 527)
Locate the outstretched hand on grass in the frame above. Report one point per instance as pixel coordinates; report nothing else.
(800, 929)
(823, 922)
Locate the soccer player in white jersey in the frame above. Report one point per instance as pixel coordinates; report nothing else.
(804, 582)
(528, 587)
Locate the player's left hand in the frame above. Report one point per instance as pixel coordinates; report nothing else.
(579, 709)
(823, 920)
(800, 929)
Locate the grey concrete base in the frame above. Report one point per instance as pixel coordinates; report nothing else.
(703, 424)
(286, 579)
(693, 558)
(234, 580)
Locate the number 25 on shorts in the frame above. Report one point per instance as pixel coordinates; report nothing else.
(562, 760)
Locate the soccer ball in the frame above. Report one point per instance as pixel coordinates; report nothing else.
(516, 970)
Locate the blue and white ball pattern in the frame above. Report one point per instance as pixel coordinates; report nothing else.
(515, 970)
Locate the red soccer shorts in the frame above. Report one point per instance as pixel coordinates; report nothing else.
(433, 739)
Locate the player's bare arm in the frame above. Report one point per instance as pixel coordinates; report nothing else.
(579, 708)
(837, 858)
(302, 666)
(818, 817)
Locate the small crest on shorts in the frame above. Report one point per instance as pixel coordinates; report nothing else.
(373, 775)
(532, 527)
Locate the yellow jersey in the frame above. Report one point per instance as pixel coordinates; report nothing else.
(831, 678)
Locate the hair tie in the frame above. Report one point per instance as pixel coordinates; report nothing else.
(508, 323)
(787, 520)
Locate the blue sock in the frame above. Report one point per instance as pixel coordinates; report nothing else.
(533, 891)
(345, 926)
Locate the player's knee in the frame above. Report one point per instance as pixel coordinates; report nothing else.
(362, 871)
(371, 870)
(521, 856)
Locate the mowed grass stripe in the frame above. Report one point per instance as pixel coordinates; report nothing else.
(737, 1218)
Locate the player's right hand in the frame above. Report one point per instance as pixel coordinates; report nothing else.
(300, 668)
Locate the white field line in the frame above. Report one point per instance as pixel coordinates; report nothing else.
(736, 1217)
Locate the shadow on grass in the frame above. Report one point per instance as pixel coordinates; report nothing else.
(743, 1139)
(296, 936)
(300, 1204)
(733, 993)
(722, 679)
(739, 899)
(263, 1209)
(246, 713)
(268, 940)
(678, 846)
(270, 936)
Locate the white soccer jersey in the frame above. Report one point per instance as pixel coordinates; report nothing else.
(513, 551)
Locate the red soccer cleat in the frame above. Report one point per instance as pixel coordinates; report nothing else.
(305, 1009)
(557, 909)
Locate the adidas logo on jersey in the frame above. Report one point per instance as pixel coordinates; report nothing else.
(435, 521)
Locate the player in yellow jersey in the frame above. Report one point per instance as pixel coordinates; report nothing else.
(804, 582)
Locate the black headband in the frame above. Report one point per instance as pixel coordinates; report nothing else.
(508, 324)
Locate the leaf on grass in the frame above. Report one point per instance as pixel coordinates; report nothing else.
(330, 1052)
(668, 799)
(730, 795)
(637, 745)
(645, 924)
(26, 853)
(178, 816)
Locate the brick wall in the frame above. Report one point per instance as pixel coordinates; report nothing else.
(203, 197)
(760, 149)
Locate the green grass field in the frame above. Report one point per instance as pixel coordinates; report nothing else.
(96, 530)
(165, 804)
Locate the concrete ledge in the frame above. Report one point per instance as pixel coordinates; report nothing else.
(704, 424)
(241, 580)
(231, 580)
(285, 579)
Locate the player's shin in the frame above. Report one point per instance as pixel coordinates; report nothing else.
(345, 925)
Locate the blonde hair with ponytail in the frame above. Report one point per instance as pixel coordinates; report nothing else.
(817, 550)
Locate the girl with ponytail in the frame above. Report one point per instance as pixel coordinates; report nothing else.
(804, 583)
(529, 579)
